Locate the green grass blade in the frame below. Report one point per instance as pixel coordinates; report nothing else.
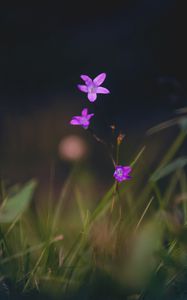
(17, 204)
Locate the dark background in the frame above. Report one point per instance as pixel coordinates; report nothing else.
(140, 44)
(45, 47)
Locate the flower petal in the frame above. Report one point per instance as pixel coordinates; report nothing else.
(99, 79)
(92, 97)
(86, 79)
(82, 88)
(102, 90)
(85, 126)
(75, 121)
(84, 112)
(127, 170)
(89, 116)
(85, 123)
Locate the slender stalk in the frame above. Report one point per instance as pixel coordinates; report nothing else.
(158, 194)
(173, 149)
(167, 158)
(58, 208)
(183, 183)
(143, 214)
(99, 140)
(34, 269)
(29, 250)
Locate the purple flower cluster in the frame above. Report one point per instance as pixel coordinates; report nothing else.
(92, 88)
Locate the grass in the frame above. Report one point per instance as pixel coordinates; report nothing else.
(130, 244)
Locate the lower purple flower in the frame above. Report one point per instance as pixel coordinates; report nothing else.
(83, 120)
(122, 173)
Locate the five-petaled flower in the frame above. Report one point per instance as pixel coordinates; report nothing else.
(83, 120)
(122, 173)
(92, 87)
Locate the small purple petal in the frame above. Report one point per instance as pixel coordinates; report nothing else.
(85, 126)
(102, 90)
(82, 88)
(89, 116)
(127, 170)
(92, 97)
(75, 121)
(84, 112)
(99, 79)
(86, 79)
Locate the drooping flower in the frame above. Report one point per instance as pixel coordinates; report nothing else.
(92, 87)
(122, 173)
(83, 120)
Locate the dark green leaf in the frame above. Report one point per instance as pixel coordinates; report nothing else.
(177, 164)
(15, 205)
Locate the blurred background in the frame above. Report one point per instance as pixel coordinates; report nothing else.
(140, 44)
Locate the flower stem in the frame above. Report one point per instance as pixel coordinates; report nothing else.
(99, 140)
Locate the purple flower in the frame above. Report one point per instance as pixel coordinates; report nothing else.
(83, 120)
(122, 173)
(92, 87)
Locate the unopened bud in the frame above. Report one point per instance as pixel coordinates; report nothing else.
(113, 127)
(120, 138)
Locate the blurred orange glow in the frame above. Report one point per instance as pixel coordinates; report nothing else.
(72, 148)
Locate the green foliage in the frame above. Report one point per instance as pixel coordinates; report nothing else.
(183, 123)
(14, 206)
(175, 165)
(131, 244)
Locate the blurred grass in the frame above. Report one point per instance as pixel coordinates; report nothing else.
(131, 244)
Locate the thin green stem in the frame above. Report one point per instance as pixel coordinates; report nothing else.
(167, 158)
(143, 214)
(173, 149)
(158, 194)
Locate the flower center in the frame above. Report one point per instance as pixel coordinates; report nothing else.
(92, 89)
(119, 172)
(84, 120)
